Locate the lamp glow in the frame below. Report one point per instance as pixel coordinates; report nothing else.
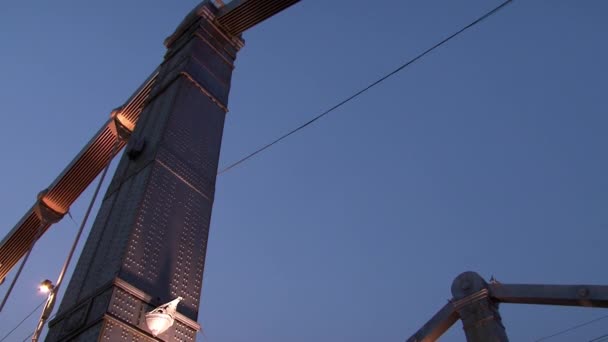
(163, 317)
(46, 286)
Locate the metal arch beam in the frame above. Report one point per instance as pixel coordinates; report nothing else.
(470, 291)
(240, 15)
(566, 295)
(234, 18)
(72, 181)
(437, 325)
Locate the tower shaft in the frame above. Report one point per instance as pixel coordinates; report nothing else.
(148, 243)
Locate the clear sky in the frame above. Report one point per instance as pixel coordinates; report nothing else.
(487, 155)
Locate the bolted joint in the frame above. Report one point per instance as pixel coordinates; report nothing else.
(478, 312)
(120, 126)
(466, 284)
(44, 212)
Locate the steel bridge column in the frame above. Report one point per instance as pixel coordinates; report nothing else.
(478, 312)
(148, 243)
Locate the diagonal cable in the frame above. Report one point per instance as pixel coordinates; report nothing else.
(600, 338)
(350, 98)
(574, 327)
(23, 320)
(370, 86)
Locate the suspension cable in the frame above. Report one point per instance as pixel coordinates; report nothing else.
(27, 255)
(50, 302)
(23, 320)
(368, 87)
(574, 327)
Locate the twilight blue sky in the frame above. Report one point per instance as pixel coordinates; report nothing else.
(487, 155)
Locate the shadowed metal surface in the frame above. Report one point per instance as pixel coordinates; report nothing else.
(475, 303)
(567, 295)
(437, 325)
(235, 18)
(151, 230)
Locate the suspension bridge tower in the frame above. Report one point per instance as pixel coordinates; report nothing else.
(148, 242)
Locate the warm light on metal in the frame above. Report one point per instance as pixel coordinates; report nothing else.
(125, 122)
(46, 286)
(162, 318)
(120, 125)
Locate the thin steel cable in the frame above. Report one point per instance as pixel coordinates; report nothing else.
(27, 255)
(574, 327)
(50, 303)
(41, 303)
(360, 92)
(600, 338)
(72, 217)
(112, 155)
(23, 320)
(200, 332)
(32, 333)
(370, 86)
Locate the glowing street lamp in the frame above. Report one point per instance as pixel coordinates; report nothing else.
(162, 318)
(46, 286)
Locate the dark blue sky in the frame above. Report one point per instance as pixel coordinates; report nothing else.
(487, 155)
